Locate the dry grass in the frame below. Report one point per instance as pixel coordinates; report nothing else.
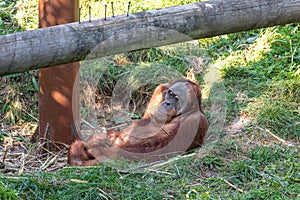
(18, 155)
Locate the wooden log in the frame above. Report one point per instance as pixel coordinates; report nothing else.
(67, 43)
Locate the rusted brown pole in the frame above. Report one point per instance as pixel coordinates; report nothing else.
(59, 85)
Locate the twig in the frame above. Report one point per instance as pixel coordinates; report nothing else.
(233, 186)
(44, 138)
(134, 108)
(178, 172)
(117, 127)
(56, 168)
(102, 194)
(276, 137)
(165, 162)
(51, 162)
(46, 131)
(90, 125)
(4, 155)
(160, 172)
(141, 166)
(30, 115)
(78, 181)
(21, 170)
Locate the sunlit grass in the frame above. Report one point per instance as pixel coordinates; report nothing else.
(25, 13)
(262, 68)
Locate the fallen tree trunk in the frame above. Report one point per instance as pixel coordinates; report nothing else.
(67, 43)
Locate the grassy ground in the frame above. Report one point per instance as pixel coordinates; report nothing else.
(259, 83)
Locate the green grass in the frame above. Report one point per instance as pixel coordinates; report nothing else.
(259, 172)
(8, 24)
(260, 80)
(266, 74)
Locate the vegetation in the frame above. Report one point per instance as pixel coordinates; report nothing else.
(259, 82)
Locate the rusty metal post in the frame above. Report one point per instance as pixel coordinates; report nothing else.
(59, 85)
